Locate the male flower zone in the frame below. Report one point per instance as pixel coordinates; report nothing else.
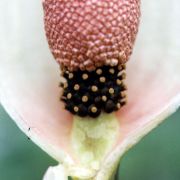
(119, 77)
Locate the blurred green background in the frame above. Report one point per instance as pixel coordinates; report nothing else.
(156, 157)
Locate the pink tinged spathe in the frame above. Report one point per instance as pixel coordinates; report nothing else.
(29, 83)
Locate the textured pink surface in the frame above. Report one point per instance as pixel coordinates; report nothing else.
(89, 33)
(29, 78)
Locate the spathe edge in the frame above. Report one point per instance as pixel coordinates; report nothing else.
(110, 163)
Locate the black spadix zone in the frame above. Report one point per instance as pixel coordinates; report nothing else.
(90, 93)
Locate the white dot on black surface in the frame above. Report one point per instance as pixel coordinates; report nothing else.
(71, 75)
(88, 93)
(85, 76)
(76, 109)
(76, 87)
(99, 71)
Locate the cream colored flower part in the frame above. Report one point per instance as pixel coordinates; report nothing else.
(29, 89)
(56, 173)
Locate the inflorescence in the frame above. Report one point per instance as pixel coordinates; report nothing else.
(90, 93)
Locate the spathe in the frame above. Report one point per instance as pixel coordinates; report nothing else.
(29, 81)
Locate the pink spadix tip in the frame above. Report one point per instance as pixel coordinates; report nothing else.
(86, 34)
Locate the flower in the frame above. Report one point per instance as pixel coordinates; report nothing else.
(29, 89)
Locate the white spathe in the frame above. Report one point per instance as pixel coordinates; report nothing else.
(29, 80)
(56, 173)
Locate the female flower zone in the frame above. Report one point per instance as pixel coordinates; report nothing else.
(87, 124)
